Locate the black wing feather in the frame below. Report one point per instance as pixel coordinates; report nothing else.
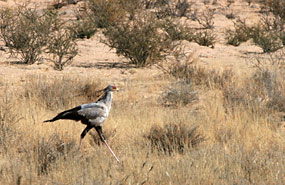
(71, 114)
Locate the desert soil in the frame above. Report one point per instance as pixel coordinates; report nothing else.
(99, 60)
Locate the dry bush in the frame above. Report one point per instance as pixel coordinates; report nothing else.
(174, 138)
(274, 24)
(139, 41)
(83, 28)
(264, 89)
(266, 34)
(234, 97)
(177, 8)
(25, 31)
(62, 46)
(29, 32)
(105, 13)
(248, 95)
(179, 93)
(177, 31)
(61, 3)
(50, 151)
(241, 33)
(205, 38)
(205, 18)
(201, 76)
(61, 43)
(85, 25)
(277, 7)
(59, 93)
(223, 79)
(268, 40)
(96, 14)
(8, 120)
(272, 87)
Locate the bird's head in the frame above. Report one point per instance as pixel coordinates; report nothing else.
(110, 88)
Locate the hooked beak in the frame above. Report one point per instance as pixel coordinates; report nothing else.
(114, 88)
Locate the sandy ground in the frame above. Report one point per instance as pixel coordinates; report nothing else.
(97, 59)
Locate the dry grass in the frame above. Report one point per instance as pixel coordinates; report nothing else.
(179, 93)
(60, 92)
(241, 147)
(174, 138)
(201, 76)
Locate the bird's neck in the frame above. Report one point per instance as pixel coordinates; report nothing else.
(107, 99)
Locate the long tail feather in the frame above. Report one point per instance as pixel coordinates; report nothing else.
(48, 121)
(68, 114)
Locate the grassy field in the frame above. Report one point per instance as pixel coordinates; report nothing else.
(241, 143)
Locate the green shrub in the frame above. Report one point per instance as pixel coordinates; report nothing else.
(277, 7)
(180, 32)
(241, 33)
(62, 47)
(25, 31)
(267, 34)
(138, 40)
(83, 27)
(164, 9)
(177, 31)
(205, 38)
(268, 40)
(205, 18)
(105, 13)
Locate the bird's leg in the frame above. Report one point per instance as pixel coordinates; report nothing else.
(83, 134)
(99, 130)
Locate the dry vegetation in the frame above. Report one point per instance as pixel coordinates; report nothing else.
(236, 141)
(188, 125)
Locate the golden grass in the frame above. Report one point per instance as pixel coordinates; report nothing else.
(241, 147)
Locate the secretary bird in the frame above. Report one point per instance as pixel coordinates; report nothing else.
(93, 115)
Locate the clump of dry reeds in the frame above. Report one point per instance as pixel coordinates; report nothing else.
(174, 138)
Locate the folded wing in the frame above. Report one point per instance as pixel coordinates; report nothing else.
(92, 111)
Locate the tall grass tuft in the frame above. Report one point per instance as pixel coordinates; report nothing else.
(180, 93)
(50, 151)
(172, 138)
